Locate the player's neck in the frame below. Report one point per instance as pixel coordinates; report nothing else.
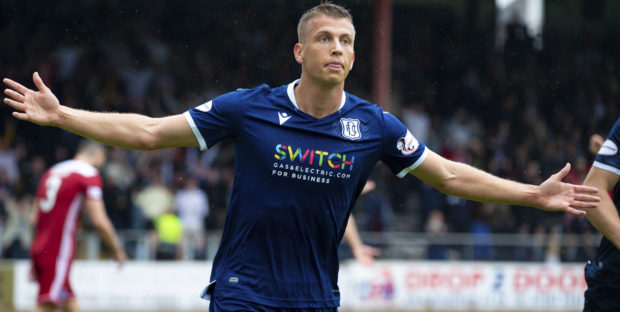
(86, 159)
(316, 100)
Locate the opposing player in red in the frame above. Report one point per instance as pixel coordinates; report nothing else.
(62, 191)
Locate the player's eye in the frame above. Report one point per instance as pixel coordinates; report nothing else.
(323, 39)
(346, 41)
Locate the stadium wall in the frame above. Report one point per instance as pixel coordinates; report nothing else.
(387, 286)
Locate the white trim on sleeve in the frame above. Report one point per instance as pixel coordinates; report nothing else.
(192, 124)
(606, 167)
(404, 172)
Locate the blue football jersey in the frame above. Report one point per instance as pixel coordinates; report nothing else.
(296, 178)
(608, 159)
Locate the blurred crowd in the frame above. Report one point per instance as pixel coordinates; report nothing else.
(515, 111)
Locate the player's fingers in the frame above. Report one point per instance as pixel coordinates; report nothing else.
(583, 204)
(587, 198)
(20, 116)
(576, 212)
(375, 251)
(15, 85)
(367, 261)
(16, 105)
(39, 82)
(14, 95)
(586, 189)
(562, 173)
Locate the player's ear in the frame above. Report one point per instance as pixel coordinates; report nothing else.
(298, 52)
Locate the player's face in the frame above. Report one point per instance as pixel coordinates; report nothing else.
(327, 54)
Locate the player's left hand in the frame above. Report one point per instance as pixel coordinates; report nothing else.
(365, 254)
(555, 195)
(120, 256)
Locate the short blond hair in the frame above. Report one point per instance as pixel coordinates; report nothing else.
(88, 147)
(325, 8)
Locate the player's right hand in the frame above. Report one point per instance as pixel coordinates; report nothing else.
(40, 107)
(120, 256)
(32, 274)
(365, 254)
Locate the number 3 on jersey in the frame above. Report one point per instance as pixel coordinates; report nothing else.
(51, 190)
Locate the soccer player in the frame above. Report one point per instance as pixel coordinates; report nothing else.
(603, 273)
(303, 152)
(60, 195)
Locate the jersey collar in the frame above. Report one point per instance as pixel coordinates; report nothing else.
(291, 94)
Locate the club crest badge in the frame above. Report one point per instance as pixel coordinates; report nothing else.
(351, 128)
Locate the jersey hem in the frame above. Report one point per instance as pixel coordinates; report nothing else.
(276, 302)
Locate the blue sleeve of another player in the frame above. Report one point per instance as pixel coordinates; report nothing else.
(216, 119)
(401, 150)
(608, 157)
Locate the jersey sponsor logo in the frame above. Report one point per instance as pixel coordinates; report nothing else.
(205, 107)
(314, 157)
(407, 144)
(608, 148)
(351, 128)
(283, 117)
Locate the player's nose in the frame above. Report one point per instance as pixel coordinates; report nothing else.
(337, 48)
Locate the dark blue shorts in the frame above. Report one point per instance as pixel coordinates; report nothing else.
(603, 293)
(602, 303)
(219, 304)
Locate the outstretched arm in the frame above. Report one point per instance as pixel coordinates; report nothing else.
(605, 218)
(124, 130)
(465, 181)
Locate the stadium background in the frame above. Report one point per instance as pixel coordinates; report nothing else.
(512, 109)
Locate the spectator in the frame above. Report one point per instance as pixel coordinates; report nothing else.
(435, 227)
(192, 206)
(167, 237)
(154, 201)
(17, 235)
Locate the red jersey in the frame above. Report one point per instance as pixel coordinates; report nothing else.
(59, 199)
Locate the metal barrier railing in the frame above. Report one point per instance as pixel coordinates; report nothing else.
(394, 245)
